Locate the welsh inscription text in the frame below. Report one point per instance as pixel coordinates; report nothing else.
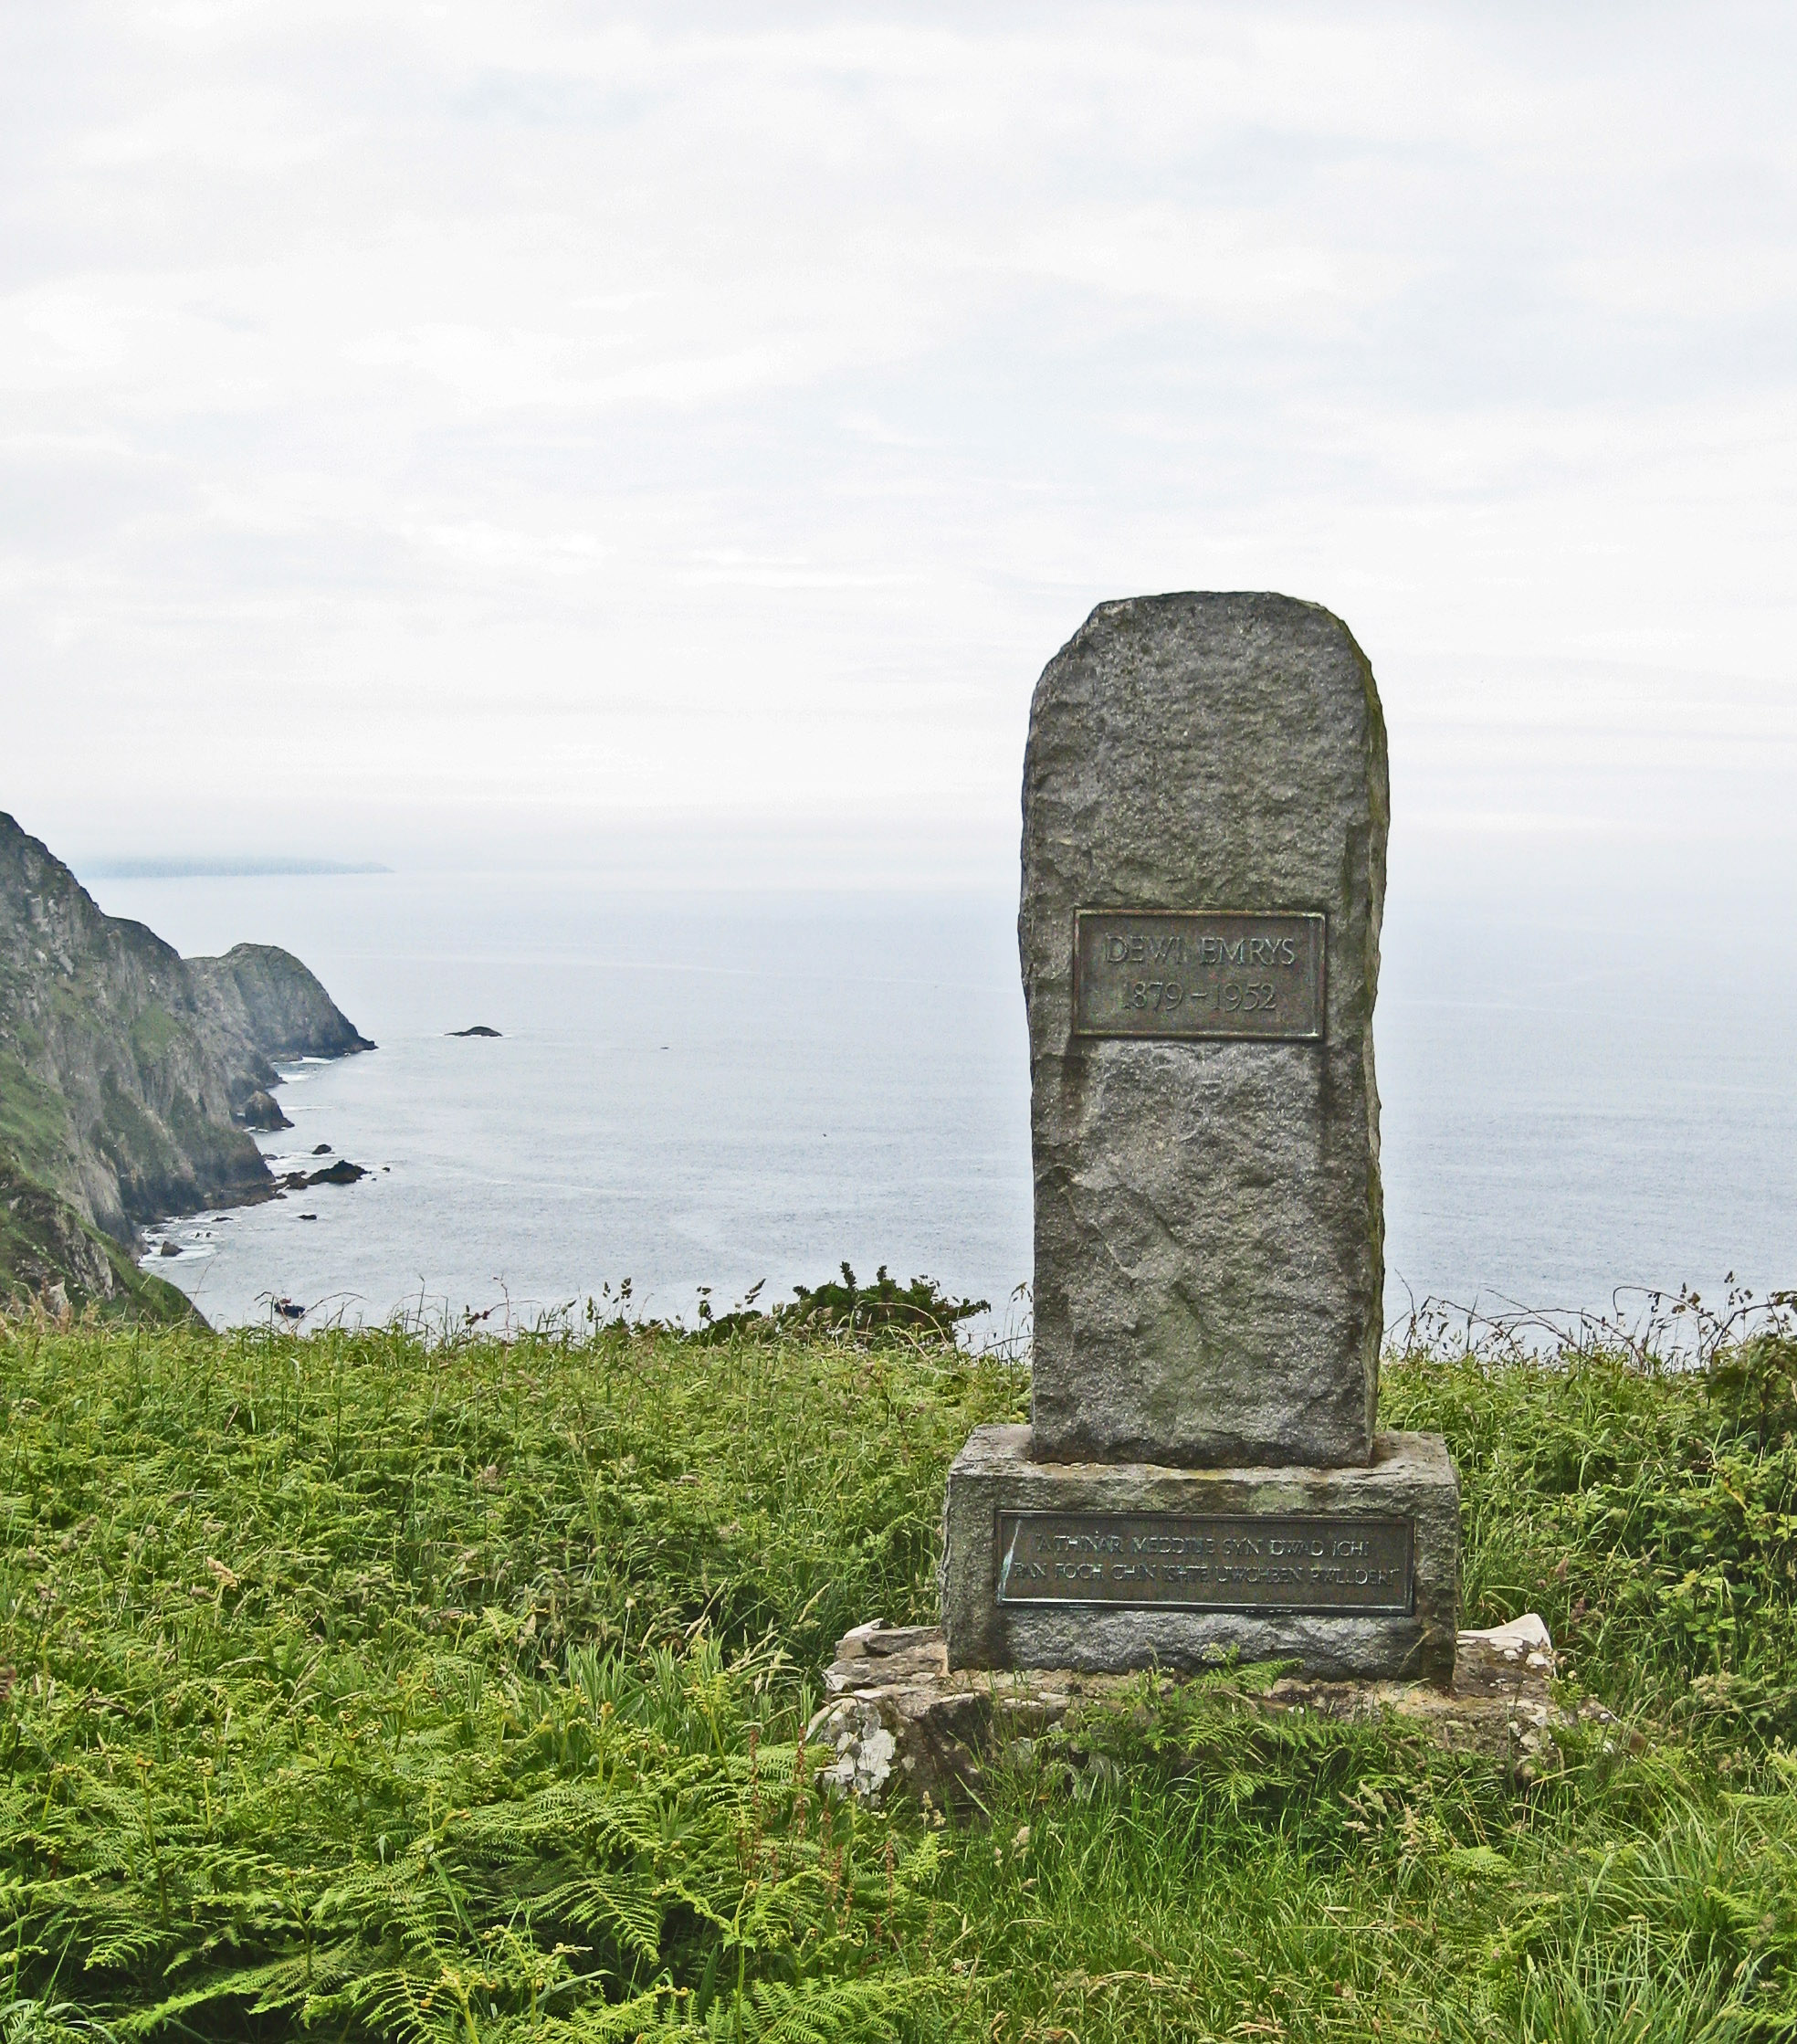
(1146, 1560)
(1197, 972)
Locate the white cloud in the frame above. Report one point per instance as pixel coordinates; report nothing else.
(728, 414)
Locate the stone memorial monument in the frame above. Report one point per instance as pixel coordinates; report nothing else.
(1205, 805)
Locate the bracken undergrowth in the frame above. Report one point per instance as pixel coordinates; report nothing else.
(357, 1688)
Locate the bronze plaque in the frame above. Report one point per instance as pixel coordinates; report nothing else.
(1197, 972)
(1339, 1564)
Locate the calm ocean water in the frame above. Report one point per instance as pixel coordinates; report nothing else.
(716, 1092)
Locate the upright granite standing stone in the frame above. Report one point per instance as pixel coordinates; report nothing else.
(1205, 807)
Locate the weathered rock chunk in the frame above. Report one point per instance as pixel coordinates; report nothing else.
(263, 1110)
(341, 1173)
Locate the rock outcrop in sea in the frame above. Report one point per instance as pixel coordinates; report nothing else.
(130, 1075)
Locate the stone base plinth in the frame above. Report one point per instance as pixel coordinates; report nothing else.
(896, 1717)
(1110, 1567)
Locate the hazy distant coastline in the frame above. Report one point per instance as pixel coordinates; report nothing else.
(223, 867)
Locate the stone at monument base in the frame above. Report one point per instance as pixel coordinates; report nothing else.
(1099, 1566)
(896, 1717)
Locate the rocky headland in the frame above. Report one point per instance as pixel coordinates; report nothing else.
(130, 1078)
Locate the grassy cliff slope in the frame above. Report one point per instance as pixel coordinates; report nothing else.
(49, 1252)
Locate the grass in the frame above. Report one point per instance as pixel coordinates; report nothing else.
(358, 1691)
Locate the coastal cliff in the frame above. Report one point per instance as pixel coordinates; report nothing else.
(128, 1075)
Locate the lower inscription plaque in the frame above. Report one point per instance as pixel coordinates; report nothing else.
(1224, 1563)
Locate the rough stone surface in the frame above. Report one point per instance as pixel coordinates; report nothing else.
(1410, 1476)
(1209, 1230)
(898, 1718)
(261, 1109)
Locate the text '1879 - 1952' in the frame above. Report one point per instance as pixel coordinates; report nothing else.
(1198, 973)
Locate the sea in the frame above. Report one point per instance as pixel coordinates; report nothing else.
(693, 1095)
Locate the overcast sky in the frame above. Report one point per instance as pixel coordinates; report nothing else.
(680, 437)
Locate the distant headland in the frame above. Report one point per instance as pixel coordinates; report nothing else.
(130, 1080)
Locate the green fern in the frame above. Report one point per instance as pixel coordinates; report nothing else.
(353, 1691)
